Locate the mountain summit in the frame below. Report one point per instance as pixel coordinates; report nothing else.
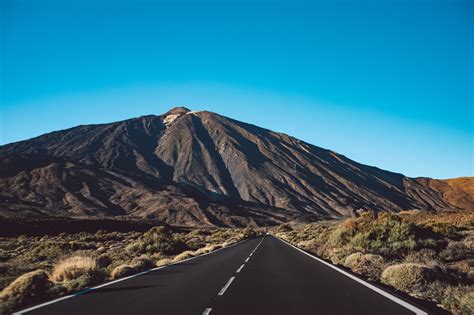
(195, 167)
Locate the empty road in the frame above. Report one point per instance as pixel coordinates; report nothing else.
(258, 276)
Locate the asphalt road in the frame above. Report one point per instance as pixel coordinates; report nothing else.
(258, 276)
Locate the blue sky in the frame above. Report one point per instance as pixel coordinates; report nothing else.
(386, 83)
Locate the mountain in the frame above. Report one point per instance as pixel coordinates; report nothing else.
(197, 167)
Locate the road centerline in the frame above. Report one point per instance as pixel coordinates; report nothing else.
(222, 291)
(207, 311)
(240, 268)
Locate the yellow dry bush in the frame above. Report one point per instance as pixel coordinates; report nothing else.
(72, 268)
(184, 255)
(122, 271)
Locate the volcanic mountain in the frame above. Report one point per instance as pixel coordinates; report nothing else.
(196, 168)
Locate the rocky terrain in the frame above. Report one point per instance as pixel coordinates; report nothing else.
(198, 168)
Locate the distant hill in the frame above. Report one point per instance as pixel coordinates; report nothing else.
(458, 192)
(199, 168)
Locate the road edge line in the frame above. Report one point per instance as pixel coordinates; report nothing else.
(62, 298)
(363, 282)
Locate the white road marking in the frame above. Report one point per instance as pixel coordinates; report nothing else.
(412, 308)
(207, 311)
(240, 268)
(247, 260)
(115, 281)
(222, 291)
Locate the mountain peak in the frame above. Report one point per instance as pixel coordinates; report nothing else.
(177, 111)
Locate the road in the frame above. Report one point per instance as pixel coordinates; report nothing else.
(258, 276)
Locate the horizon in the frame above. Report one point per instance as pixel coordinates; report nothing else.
(388, 86)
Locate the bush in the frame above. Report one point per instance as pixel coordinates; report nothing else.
(369, 265)
(385, 233)
(29, 288)
(73, 267)
(206, 249)
(456, 251)
(408, 277)
(157, 240)
(142, 263)
(459, 300)
(338, 255)
(122, 271)
(424, 256)
(163, 261)
(103, 261)
(184, 255)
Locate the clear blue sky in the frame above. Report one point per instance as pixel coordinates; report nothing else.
(386, 83)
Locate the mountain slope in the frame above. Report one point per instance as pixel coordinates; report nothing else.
(253, 175)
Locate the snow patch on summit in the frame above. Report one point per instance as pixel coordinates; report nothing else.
(168, 120)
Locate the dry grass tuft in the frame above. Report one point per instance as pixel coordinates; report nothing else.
(184, 255)
(73, 268)
(163, 261)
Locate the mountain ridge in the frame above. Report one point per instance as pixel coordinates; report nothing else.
(226, 171)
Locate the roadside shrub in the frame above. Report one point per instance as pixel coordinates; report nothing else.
(29, 288)
(206, 249)
(369, 265)
(283, 228)
(407, 277)
(103, 261)
(122, 271)
(385, 233)
(338, 255)
(459, 300)
(72, 268)
(77, 272)
(163, 261)
(142, 263)
(184, 255)
(249, 232)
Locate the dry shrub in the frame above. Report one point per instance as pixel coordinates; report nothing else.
(459, 300)
(103, 261)
(408, 277)
(338, 255)
(456, 251)
(184, 255)
(72, 268)
(206, 249)
(122, 271)
(30, 288)
(369, 265)
(424, 256)
(142, 263)
(383, 232)
(163, 261)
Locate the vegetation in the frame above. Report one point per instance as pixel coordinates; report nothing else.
(38, 268)
(429, 256)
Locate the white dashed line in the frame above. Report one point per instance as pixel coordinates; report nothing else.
(221, 292)
(240, 268)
